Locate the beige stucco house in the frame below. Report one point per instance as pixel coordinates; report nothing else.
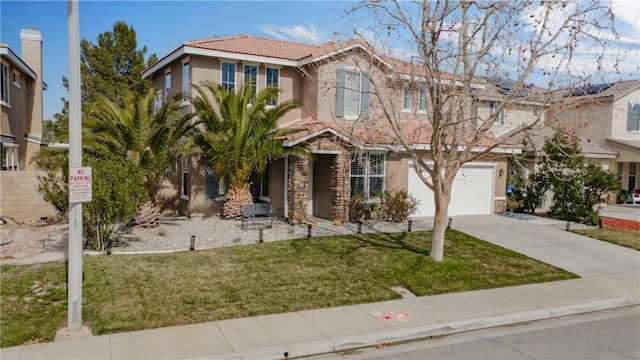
(21, 128)
(340, 121)
(609, 115)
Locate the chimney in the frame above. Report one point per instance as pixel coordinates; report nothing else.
(32, 56)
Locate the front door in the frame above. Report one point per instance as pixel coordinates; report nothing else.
(320, 186)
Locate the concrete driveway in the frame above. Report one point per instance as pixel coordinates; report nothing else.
(579, 254)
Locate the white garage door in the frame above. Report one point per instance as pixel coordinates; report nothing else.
(472, 192)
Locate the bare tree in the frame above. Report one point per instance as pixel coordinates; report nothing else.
(460, 50)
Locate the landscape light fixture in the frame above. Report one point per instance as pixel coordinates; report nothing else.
(193, 243)
(409, 224)
(260, 235)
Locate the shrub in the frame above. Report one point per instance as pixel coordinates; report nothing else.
(398, 206)
(359, 208)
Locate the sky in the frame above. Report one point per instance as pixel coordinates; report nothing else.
(162, 26)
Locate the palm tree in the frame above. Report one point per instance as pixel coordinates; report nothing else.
(239, 135)
(136, 132)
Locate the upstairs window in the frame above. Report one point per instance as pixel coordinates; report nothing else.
(406, 99)
(633, 117)
(228, 74)
(273, 81)
(367, 174)
(186, 80)
(167, 84)
(4, 80)
(251, 78)
(422, 100)
(16, 79)
(493, 107)
(352, 94)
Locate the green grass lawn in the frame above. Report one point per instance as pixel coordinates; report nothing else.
(630, 239)
(131, 292)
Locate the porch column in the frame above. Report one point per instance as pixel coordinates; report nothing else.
(298, 185)
(340, 185)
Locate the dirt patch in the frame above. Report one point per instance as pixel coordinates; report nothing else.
(38, 239)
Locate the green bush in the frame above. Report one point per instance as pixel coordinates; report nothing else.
(359, 208)
(398, 206)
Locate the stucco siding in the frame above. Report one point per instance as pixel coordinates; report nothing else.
(619, 114)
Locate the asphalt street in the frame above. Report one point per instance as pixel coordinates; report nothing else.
(611, 334)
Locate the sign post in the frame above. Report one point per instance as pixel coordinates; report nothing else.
(74, 304)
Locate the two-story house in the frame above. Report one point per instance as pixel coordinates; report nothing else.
(21, 87)
(607, 114)
(341, 122)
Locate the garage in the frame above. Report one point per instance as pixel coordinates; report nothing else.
(472, 192)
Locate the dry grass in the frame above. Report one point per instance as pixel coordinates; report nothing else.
(131, 292)
(630, 239)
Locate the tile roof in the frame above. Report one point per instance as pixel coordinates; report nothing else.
(258, 46)
(414, 133)
(605, 90)
(537, 135)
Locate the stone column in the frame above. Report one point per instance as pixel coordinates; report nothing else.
(297, 188)
(340, 185)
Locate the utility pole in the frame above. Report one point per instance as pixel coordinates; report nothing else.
(74, 306)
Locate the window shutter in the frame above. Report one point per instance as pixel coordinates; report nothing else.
(364, 97)
(212, 183)
(340, 94)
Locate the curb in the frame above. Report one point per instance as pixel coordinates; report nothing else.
(292, 351)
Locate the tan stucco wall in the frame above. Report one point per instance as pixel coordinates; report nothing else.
(396, 172)
(588, 120)
(619, 113)
(514, 116)
(14, 117)
(21, 200)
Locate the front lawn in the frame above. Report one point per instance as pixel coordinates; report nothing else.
(132, 292)
(626, 238)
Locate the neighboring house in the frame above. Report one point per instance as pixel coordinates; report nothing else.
(607, 114)
(533, 141)
(21, 97)
(340, 121)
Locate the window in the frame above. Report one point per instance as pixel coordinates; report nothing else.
(422, 100)
(493, 107)
(215, 187)
(260, 185)
(4, 79)
(157, 102)
(9, 157)
(367, 174)
(352, 94)
(184, 179)
(273, 80)
(620, 168)
(16, 79)
(406, 99)
(251, 78)
(632, 176)
(186, 81)
(167, 84)
(633, 117)
(228, 76)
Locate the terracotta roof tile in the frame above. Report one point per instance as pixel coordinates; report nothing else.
(258, 46)
(415, 133)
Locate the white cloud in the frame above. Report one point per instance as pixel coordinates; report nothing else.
(627, 16)
(295, 33)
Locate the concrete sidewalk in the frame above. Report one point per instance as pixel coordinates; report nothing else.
(333, 329)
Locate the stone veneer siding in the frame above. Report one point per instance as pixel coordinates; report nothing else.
(297, 188)
(340, 185)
